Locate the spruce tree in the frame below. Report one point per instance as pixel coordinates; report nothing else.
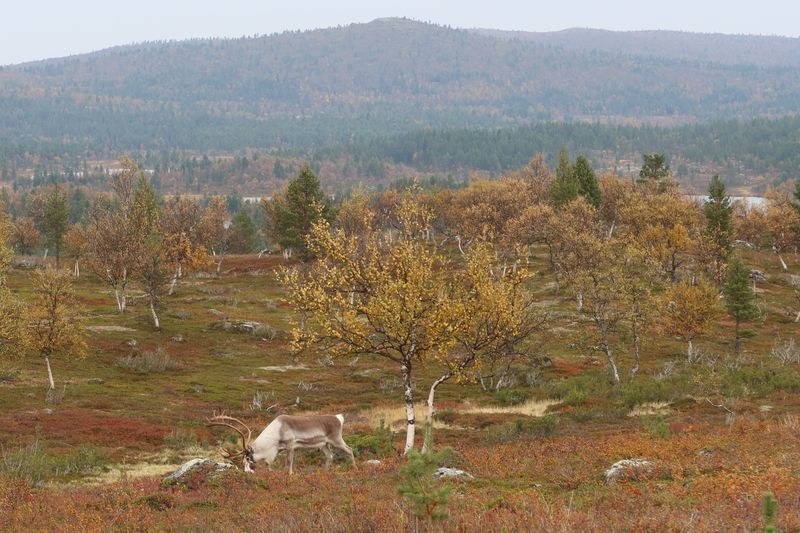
(293, 214)
(56, 220)
(565, 187)
(243, 233)
(739, 297)
(796, 194)
(654, 168)
(719, 225)
(587, 181)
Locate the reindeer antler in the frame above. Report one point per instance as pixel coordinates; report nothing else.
(225, 421)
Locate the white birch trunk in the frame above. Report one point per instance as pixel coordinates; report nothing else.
(173, 282)
(156, 322)
(409, 400)
(49, 373)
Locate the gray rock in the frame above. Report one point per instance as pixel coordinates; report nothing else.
(178, 338)
(216, 313)
(452, 472)
(758, 275)
(372, 462)
(194, 464)
(95, 381)
(133, 343)
(743, 244)
(628, 468)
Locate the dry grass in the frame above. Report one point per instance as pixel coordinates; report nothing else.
(650, 409)
(534, 408)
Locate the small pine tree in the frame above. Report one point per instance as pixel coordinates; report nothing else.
(56, 220)
(243, 233)
(654, 168)
(293, 214)
(565, 186)
(419, 486)
(770, 510)
(739, 297)
(718, 233)
(587, 181)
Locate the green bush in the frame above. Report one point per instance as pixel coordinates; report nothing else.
(148, 362)
(376, 444)
(510, 396)
(427, 496)
(448, 416)
(575, 397)
(642, 390)
(522, 428)
(658, 427)
(757, 382)
(34, 465)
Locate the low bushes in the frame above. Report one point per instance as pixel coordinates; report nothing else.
(34, 465)
(523, 427)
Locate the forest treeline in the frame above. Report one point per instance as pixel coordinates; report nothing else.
(326, 88)
(738, 151)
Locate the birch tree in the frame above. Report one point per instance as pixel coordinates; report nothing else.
(55, 327)
(367, 295)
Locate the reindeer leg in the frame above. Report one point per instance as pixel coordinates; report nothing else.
(342, 445)
(291, 458)
(328, 456)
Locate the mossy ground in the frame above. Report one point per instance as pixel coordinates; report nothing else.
(715, 466)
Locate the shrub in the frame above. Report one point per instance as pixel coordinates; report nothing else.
(377, 444)
(575, 397)
(757, 382)
(7, 375)
(658, 427)
(427, 497)
(523, 427)
(34, 465)
(785, 352)
(180, 439)
(644, 390)
(510, 396)
(149, 362)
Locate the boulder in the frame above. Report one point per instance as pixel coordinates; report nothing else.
(629, 469)
(372, 462)
(758, 275)
(209, 465)
(452, 473)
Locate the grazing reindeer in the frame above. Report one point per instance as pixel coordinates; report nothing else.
(287, 433)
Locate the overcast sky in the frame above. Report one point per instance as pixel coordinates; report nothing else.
(38, 29)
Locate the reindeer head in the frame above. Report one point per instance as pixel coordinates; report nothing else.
(246, 453)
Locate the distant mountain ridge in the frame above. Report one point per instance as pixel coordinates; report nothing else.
(724, 49)
(313, 88)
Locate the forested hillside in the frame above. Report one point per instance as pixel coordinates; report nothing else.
(391, 75)
(772, 51)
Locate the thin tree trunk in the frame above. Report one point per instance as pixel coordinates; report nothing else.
(49, 373)
(635, 334)
(156, 322)
(431, 395)
(797, 317)
(219, 264)
(780, 258)
(77, 269)
(409, 400)
(173, 282)
(119, 301)
(690, 349)
(737, 345)
(579, 297)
